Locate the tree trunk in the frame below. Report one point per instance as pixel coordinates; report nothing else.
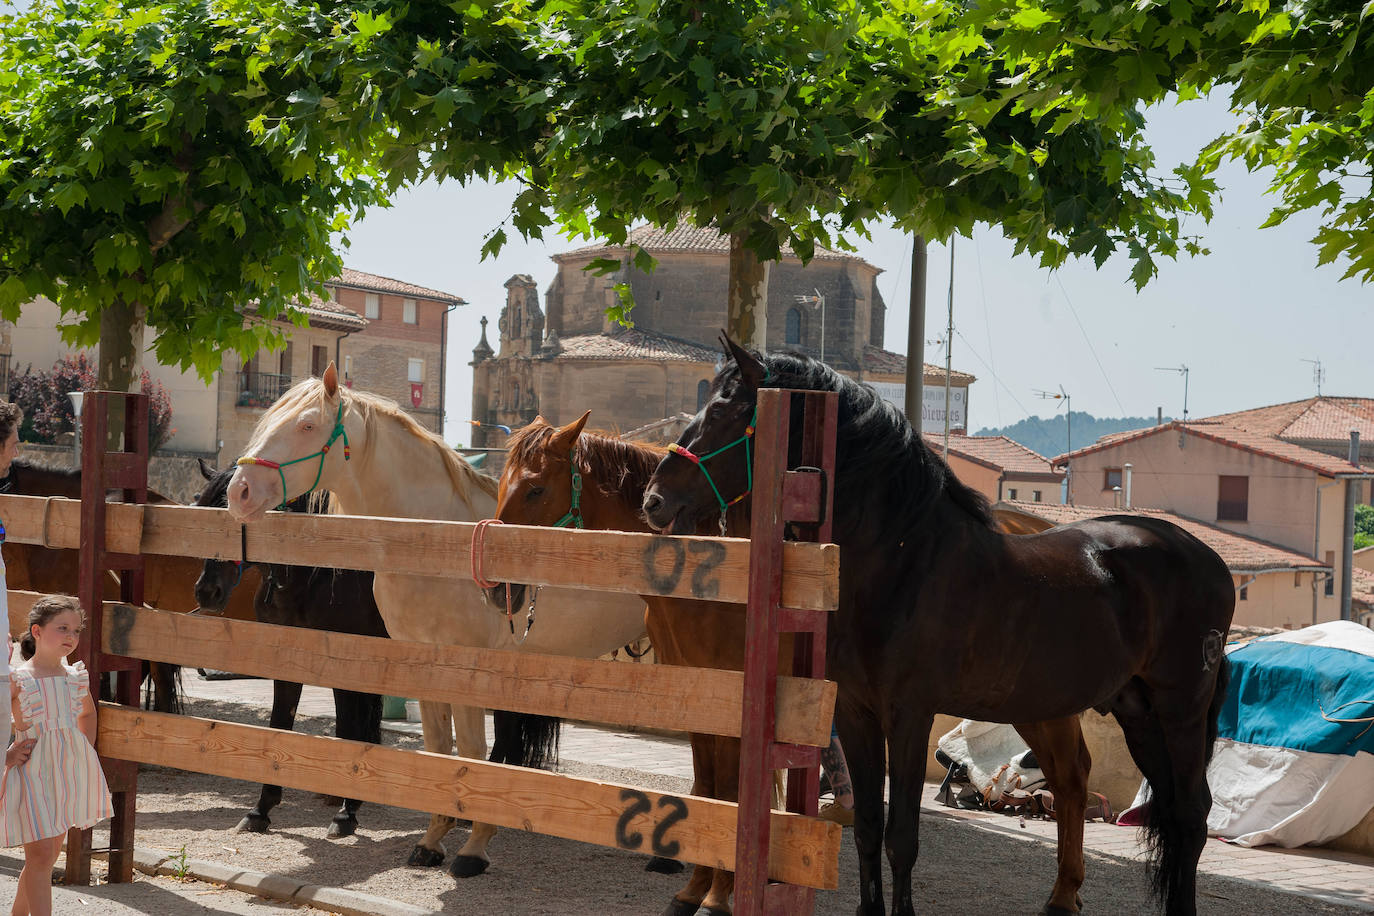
(120, 366)
(747, 310)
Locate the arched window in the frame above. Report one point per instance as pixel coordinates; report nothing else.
(703, 391)
(793, 334)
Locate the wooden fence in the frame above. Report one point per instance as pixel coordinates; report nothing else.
(801, 851)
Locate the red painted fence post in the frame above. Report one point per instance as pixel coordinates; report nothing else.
(802, 497)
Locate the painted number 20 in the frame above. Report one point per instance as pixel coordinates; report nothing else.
(639, 803)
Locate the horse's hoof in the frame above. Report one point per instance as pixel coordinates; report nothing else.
(467, 866)
(425, 857)
(713, 911)
(252, 824)
(678, 907)
(662, 866)
(342, 828)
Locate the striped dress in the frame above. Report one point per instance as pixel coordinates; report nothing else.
(62, 785)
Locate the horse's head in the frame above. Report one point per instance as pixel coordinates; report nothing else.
(538, 485)
(711, 465)
(294, 448)
(217, 577)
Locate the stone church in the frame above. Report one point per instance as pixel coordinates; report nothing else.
(565, 357)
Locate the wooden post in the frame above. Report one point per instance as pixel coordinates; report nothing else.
(101, 470)
(803, 497)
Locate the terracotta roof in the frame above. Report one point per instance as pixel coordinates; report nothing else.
(1247, 440)
(1240, 553)
(360, 280)
(1362, 588)
(997, 452)
(1320, 418)
(683, 237)
(876, 359)
(633, 343)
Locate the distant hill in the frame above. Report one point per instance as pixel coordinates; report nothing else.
(1047, 435)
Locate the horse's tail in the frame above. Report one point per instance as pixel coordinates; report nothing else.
(524, 739)
(1170, 827)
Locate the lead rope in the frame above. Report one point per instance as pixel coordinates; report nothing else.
(479, 536)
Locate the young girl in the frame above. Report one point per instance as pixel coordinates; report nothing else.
(62, 785)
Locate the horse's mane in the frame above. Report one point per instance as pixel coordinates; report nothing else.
(620, 466)
(310, 392)
(874, 443)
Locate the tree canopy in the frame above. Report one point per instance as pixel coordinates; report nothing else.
(149, 162)
(1300, 74)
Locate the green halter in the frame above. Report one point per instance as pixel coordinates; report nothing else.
(574, 516)
(700, 462)
(338, 431)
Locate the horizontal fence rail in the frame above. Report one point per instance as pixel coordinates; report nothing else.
(570, 688)
(803, 851)
(714, 569)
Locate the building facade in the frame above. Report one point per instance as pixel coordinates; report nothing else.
(1000, 468)
(1277, 474)
(563, 356)
(385, 335)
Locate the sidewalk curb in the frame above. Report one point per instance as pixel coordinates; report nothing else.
(273, 887)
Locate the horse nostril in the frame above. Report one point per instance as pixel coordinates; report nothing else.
(652, 502)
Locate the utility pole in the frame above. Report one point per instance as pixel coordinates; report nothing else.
(949, 345)
(916, 334)
(1183, 371)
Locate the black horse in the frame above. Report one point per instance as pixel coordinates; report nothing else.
(337, 600)
(940, 612)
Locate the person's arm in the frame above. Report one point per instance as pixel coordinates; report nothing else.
(18, 753)
(86, 719)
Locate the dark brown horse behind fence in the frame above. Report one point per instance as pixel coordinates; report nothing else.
(168, 581)
(566, 477)
(942, 613)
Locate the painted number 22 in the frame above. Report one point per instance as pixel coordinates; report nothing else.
(639, 803)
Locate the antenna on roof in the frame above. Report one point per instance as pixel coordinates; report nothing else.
(1060, 395)
(1318, 373)
(1183, 371)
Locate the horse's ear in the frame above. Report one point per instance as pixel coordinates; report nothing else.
(207, 470)
(750, 369)
(331, 380)
(567, 435)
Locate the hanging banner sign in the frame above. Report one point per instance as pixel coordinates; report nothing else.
(417, 393)
(932, 404)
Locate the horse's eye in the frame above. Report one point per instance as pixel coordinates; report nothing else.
(307, 427)
(534, 493)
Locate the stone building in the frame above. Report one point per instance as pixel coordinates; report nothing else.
(565, 356)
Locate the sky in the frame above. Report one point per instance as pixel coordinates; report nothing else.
(1245, 319)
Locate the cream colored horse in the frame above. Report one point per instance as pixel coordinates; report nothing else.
(398, 469)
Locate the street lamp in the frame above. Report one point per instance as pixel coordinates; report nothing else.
(77, 397)
(817, 299)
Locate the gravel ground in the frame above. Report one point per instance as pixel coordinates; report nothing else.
(962, 870)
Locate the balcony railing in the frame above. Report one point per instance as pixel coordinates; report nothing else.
(261, 389)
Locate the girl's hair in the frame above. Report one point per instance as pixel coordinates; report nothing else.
(11, 416)
(43, 610)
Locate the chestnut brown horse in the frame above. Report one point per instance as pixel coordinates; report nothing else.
(567, 477)
(168, 581)
(941, 612)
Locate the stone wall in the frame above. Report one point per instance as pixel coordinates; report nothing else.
(175, 475)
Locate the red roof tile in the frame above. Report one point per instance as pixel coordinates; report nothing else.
(360, 280)
(1320, 418)
(876, 359)
(1362, 588)
(633, 343)
(683, 237)
(996, 452)
(1240, 553)
(1256, 442)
